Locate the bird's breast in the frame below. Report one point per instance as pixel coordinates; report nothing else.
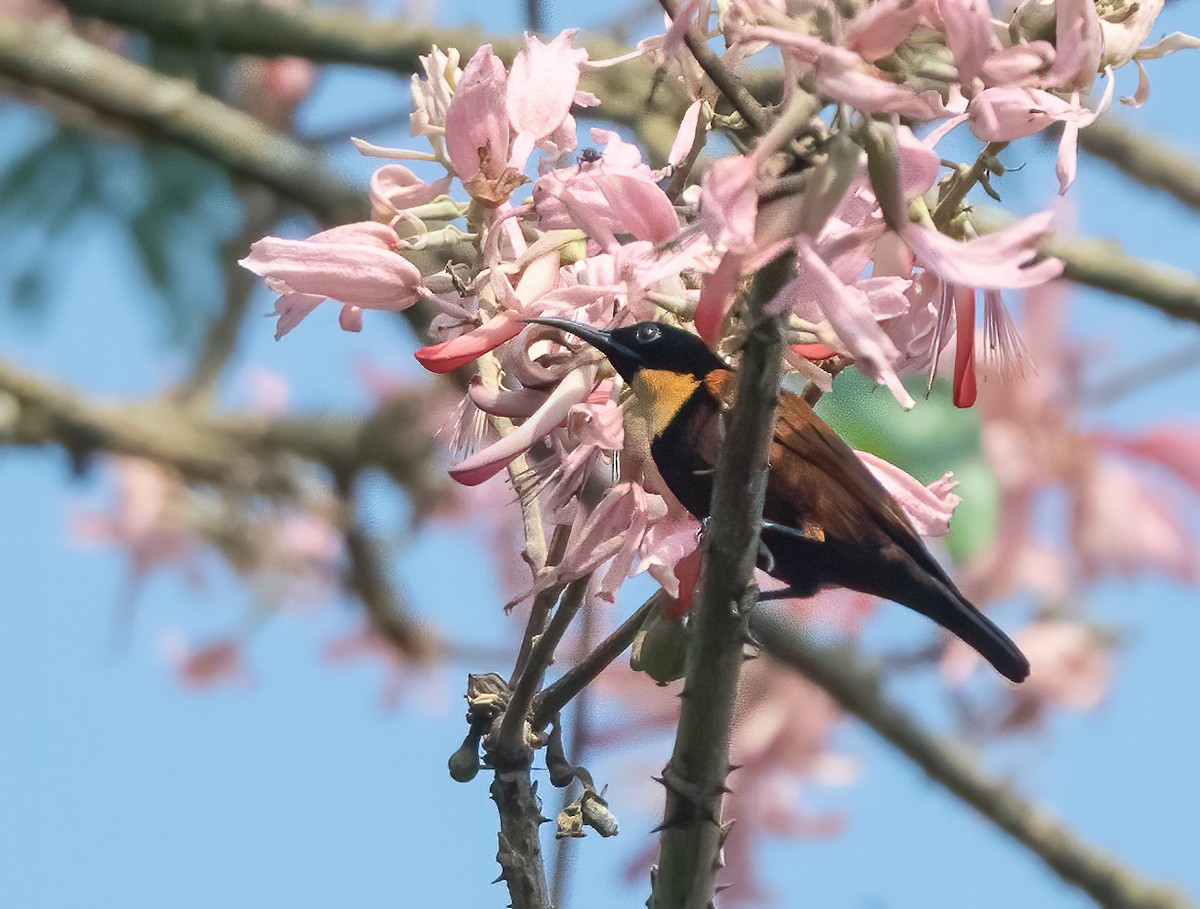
(659, 395)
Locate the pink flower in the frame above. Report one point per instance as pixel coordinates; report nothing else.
(1078, 45)
(1175, 447)
(458, 352)
(478, 136)
(355, 264)
(729, 203)
(848, 310)
(844, 76)
(477, 130)
(541, 89)
(215, 664)
(1120, 525)
(929, 508)
(432, 95)
(395, 188)
(572, 390)
(147, 518)
(616, 195)
(612, 533)
(1072, 669)
(877, 30)
(1004, 259)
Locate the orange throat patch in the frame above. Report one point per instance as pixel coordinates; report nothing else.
(659, 394)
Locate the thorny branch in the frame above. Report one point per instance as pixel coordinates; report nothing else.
(693, 828)
(857, 690)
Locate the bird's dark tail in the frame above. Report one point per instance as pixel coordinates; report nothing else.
(950, 609)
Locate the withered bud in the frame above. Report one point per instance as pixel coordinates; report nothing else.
(596, 814)
(487, 696)
(570, 821)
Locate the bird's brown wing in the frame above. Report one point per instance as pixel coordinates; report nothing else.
(830, 491)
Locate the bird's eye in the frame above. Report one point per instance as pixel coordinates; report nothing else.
(647, 333)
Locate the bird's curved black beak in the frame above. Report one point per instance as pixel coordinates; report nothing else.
(623, 359)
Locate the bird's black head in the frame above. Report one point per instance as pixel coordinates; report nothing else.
(645, 345)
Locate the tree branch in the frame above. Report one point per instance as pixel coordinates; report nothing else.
(1149, 159)
(242, 450)
(858, 691)
(330, 35)
(1104, 265)
(48, 55)
(692, 828)
(346, 36)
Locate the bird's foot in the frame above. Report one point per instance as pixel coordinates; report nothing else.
(766, 558)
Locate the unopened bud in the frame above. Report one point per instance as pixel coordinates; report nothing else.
(660, 649)
(883, 166)
(1034, 20)
(464, 763)
(828, 183)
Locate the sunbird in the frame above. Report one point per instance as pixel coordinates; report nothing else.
(826, 522)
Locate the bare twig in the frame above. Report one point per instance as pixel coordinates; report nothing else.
(963, 182)
(727, 83)
(555, 696)
(857, 689)
(516, 716)
(543, 602)
(693, 829)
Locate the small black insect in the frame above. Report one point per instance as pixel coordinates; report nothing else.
(590, 155)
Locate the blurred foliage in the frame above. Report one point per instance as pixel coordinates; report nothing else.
(927, 441)
(172, 207)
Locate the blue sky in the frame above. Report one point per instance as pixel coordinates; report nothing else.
(118, 788)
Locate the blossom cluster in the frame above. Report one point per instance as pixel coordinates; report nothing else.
(888, 264)
(891, 271)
